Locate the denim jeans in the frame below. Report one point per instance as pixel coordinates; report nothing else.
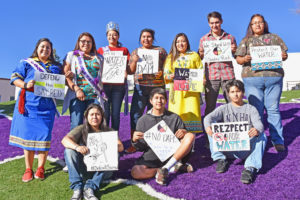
(77, 171)
(140, 100)
(77, 109)
(265, 92)
(115, 95)
(253, 158)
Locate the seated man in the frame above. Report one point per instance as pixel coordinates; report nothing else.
(149, 165)
(236, 111)
(75, 144)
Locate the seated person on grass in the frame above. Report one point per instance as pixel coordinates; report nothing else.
(75, 144)
(149, 165)
(236, 111)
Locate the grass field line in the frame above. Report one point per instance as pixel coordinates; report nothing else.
(144, 186)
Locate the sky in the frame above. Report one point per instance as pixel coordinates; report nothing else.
(23, 23)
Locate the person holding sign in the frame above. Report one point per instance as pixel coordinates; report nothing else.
(115, 92)
(263, 86)
(184, 103)
(33, 116)
(149, 164)
(219, 71)
(75, 143)
(141, 62)
(82, 68)
(238, 111)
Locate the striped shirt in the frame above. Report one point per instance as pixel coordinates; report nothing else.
(218, 70)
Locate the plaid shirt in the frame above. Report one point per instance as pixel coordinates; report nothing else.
(218, 70)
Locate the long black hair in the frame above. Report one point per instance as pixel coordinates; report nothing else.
(173, 51)
(249, 29)
(51, 57)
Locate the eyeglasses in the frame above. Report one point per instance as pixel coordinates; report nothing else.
(257, 23)
(85, 42)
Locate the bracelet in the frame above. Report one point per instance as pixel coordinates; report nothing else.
(25, 85)
(76, 147)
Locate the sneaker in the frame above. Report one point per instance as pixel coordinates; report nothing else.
(77, 195)
(39, 174)
(28, 175)
(279, 147)
(65, 169)
(130, 149)
(161, 176)
(222, 166)
(88, 194)
(248, 175)
(185, 168)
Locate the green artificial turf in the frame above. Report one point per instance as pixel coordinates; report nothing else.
(56, 185)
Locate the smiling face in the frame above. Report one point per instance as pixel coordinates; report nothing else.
(146, 40)
(215, 25)
(44, 50)
(112, 38)
(257, 25)
(236, 95)
(85, 44)
(94, 118)
(181, 44)
(158, 102)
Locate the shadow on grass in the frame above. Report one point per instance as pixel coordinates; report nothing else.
(112, 189)
(56, 167)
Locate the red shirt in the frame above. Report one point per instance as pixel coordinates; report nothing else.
(124, 49)
(218, 70)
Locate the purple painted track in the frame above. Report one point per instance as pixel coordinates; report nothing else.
(278, 179)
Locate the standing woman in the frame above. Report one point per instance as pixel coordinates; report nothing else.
(114, 92)
(82, 69)
(263, 87)
(144, 83)
(184, 103)
(33, 115)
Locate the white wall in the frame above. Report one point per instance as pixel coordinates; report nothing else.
(6, 90)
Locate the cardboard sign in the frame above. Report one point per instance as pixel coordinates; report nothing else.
(148, 62)
(231, 136)
(217, 51)
(49, 85)
(188, 80)
(266, 57)
(103, 151)
(114, 68)
(162, 140)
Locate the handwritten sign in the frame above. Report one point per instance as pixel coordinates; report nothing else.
(162, 140)
(103, 151)
(217, 50)
(49, 85)
(188, 80)
(265, 57)
(148, 62)
(113, 53)
(231, 136)
(114, 68)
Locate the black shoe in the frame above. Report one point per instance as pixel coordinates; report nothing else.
(77, 195)
(222, 166)
(248, 175)
(162, 176)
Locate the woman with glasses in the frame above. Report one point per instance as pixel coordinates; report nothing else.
(114, 92)
(82, 70)
(263, 80)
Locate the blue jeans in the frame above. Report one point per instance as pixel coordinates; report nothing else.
(140, 100)
(253, 158)
(115, 95)
(77, 109)
(77, 170)
(265, 92)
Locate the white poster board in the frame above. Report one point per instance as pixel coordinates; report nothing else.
(113, 53)
(114, 68)
(103, 151)
(49, 85)
(231, 136)
(217, 50)
(148, 62)
(162, 140)
(261, 54)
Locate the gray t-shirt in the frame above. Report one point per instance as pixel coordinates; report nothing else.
(231, 113)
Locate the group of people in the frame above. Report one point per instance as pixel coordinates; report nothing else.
(93, 104)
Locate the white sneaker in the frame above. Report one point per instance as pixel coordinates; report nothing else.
(65, 169)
